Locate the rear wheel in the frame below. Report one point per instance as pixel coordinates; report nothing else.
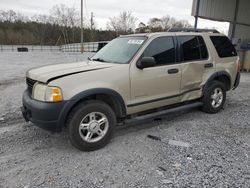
(91, 125)
(214, 97)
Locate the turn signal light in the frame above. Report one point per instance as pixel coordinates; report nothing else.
(54, 94)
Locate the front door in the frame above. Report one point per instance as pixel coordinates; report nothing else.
(159, 85)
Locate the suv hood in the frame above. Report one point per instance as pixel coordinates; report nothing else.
(48, 73)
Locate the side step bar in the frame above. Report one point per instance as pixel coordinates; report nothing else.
(163, 112)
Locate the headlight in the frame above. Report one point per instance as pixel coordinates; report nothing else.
(42, 92)
(39, 91)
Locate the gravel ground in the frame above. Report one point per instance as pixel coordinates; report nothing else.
(13, 66)
(190, 148)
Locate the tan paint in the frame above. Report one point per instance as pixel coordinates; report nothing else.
(44, 73)
(104, 78)
(194, 75)
(136, 85)
(153, 83)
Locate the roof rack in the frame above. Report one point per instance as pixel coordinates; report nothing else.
(193, 30)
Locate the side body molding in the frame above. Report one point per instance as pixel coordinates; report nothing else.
(119, 102)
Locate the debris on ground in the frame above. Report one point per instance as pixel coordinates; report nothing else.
(50, 179)
(162, 169)
(154, 137)
(178, 143)
(177, 166)
(167, 181)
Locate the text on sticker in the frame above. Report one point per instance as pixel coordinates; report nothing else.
(135, 41)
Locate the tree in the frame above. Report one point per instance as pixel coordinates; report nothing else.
(167, 22)
(155, 24)
(2, 36)
(63, 23)
(44, 30)
(66, 17)
(42, 18)
(142, 28)
(162, 24)
(181, 24)
(8, 16)
(124, 23)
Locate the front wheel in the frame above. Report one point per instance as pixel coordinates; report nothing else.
(91, 125)
(214, 97)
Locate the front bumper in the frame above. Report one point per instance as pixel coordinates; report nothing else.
(43, 114)
(237, 81)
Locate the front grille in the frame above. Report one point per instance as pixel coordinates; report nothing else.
(30, 83)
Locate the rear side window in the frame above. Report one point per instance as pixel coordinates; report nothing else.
(192, 48)
(162, 49)
(223, 46)
(203, 48)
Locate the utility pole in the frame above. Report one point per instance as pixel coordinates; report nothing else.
(82, 48)
(92, 20)
(92, 25)
(197, 13)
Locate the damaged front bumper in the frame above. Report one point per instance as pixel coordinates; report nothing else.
(43, 114)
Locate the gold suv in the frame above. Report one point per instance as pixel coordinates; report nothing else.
(134, 76)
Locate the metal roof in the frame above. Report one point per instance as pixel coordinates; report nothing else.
(224, 10)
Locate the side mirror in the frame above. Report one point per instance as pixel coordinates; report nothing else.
(146, 62)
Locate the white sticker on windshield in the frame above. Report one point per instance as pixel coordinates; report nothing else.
(135, 41)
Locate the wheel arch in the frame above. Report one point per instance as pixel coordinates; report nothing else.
(109, 96)
(221, 76)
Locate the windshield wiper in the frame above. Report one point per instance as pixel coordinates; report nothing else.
(99, 59)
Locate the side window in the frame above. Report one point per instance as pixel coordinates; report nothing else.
(162, 49)
(189, 47)
(223, 46)
(203, 48)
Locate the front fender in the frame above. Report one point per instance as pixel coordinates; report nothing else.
(85, 94)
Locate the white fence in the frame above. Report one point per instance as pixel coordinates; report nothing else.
(30, 48)
(76, 47)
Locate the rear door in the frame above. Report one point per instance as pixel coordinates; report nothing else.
(195, 62)
(160, 85)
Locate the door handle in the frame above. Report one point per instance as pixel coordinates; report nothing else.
(209, 65)
(173, 71)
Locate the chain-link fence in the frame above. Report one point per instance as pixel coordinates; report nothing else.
(76, 47)
(87, 47)
(15, 48)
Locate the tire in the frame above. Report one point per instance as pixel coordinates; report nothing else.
(87, 128)
(214, 97)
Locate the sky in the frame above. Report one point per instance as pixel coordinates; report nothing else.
(103, 10)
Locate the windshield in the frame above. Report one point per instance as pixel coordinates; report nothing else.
(120, 50)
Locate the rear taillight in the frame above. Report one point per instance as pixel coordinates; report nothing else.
(238, 65)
